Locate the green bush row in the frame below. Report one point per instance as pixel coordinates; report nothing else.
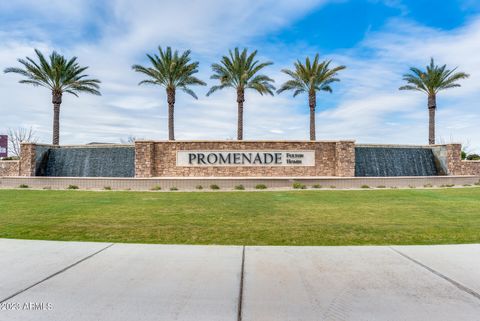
(295, 185)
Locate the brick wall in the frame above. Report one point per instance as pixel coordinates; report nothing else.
(158, 159)
(9, 168)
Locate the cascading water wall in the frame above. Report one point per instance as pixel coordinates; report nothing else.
(378, 161)
(88, 161)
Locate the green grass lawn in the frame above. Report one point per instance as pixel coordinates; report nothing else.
(414, 216)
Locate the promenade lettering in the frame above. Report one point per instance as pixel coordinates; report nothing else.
(246, 158)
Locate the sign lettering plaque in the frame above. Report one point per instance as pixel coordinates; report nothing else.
(246, 158)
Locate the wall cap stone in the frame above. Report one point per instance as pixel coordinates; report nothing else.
(84, 145)
(401, 145)
(244, 141)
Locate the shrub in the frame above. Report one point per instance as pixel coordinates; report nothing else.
(72, 187)
(173, 188)
(467, 185)
(23, 186)
(427, 185)
(317, 186)
(199, 187)
(10, 158)
(156, 188)
(214, 187)
(333, 186)
(365, 186)
(477, 183)
(47, 187)
(107, 188)
(412, 186)
(381, 186)
(239, 187)
(297, 185)
(473, 157)
(261, 186)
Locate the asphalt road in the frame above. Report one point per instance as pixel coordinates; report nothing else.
(46, 280)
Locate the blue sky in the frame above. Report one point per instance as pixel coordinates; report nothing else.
(377, 41)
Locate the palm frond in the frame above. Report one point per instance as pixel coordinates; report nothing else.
(216, 88)
(189, 92)
(310, 76)
(32, 82)
(148, 82)
(433, 79)
(240, 70)
(171, 69)
(298, 92)
(293, 84)
(56, 73)
(410, 87)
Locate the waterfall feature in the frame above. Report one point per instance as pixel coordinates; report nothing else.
(394, 161)
(91, 161)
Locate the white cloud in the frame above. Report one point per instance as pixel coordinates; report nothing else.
(366, 105)
(400, 45)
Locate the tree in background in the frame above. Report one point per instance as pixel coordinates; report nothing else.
(130, 139)
(431, 81)
(58, 75)
(311, 77)
(240, 70)
(172, 71)
(16, 136)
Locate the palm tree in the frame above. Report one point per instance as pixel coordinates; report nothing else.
(60, 76)
(171, 71)
(431, 81)
(310, 78)
(239, 71)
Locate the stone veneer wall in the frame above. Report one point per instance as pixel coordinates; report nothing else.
(471, 168)
(457, 166)
(9, 168)
(158, 159)
(27, 159)
(454, 159)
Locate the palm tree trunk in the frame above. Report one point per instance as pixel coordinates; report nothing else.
(432, 107)
(240, 100)
(57, 101)
(312, 101)
(171, 117)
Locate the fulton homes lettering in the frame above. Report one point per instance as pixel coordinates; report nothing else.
(246, 158)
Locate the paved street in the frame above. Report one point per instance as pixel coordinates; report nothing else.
(46, 280)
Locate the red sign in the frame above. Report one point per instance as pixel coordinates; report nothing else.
(3, 146)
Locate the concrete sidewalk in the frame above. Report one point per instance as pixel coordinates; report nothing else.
(44, 280)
